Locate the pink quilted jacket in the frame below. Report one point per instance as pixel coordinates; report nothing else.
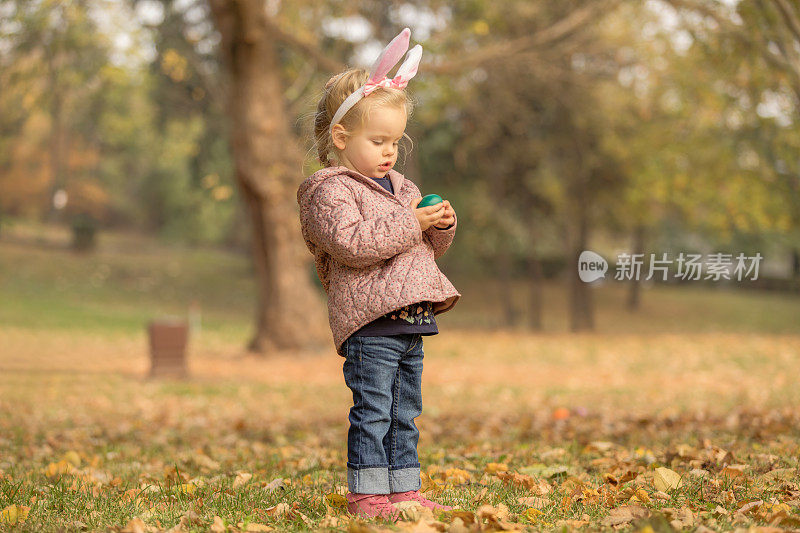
(371, 254)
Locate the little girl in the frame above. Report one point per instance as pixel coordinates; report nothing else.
(374, 252)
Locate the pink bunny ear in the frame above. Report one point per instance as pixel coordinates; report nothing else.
(390, 55)
(409, 67)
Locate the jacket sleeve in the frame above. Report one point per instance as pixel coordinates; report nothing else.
(336, 225)
(441, 239)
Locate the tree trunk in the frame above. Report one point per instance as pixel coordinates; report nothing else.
(506, 289)
(635, 286)
(535, 296)
(581, 306)
(267, 160)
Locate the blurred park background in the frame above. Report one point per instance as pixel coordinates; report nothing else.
(150, 152)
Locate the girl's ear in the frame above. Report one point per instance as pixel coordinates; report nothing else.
(339, 136)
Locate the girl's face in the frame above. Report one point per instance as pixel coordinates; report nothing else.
(372, 150)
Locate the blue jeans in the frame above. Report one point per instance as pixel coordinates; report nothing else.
(385, 375)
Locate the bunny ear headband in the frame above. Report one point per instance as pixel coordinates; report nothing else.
(377, 78)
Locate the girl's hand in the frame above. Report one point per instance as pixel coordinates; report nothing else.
(448, 217)
(427, 216)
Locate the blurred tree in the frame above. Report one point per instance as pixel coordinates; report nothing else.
(266, 159)
(751, 52)
(190, 194)
(52, 58)
(529, 120)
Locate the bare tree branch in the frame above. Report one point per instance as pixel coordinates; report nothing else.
(574, 21)
(310, 49)
(570, 23)
(789, 17)
(741, 33)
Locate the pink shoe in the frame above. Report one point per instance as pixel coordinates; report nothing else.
(371, 506)
(414, 495)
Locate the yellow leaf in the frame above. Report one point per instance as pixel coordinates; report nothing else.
(186, 488)
(640, 496)
(457, 475)
(72, 458)
(493, 468)
(14, 514)
(241, 479)
(336, 500)
(666, 479)
(429, 484)
(533, 514)
(55, 469)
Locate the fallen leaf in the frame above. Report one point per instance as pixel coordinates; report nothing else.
(457, 476)
(733, 471)
(516, 478)
(625, 514)
(275, 484)
(457, 526)
(666, 479)
(279, 510)
(413, 511)
(679, 518)
(14, 514)
(535, 516)
(59, 468)
(72, 458)
(186, 488)
(497, 517)
(493, 468)
(242, 479)
(466, 517)
(640, 496)
(610, 479)
(136, 525)
(218, 526)
(555, 470)
(337, 501)
(749, 506)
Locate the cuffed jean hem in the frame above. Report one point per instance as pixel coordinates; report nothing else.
(368, 480)
(403, 479)
(383, 480)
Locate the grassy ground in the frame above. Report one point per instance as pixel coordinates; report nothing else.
(520, 430)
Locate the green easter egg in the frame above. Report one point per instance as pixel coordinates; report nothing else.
(430, 199)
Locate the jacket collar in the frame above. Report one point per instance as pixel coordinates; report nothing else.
(395, 177)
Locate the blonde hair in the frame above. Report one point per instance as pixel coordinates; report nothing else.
(338, 88)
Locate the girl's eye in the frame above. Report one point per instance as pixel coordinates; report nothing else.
(376, 142)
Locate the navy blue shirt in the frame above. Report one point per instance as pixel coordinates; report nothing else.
(414, 318)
